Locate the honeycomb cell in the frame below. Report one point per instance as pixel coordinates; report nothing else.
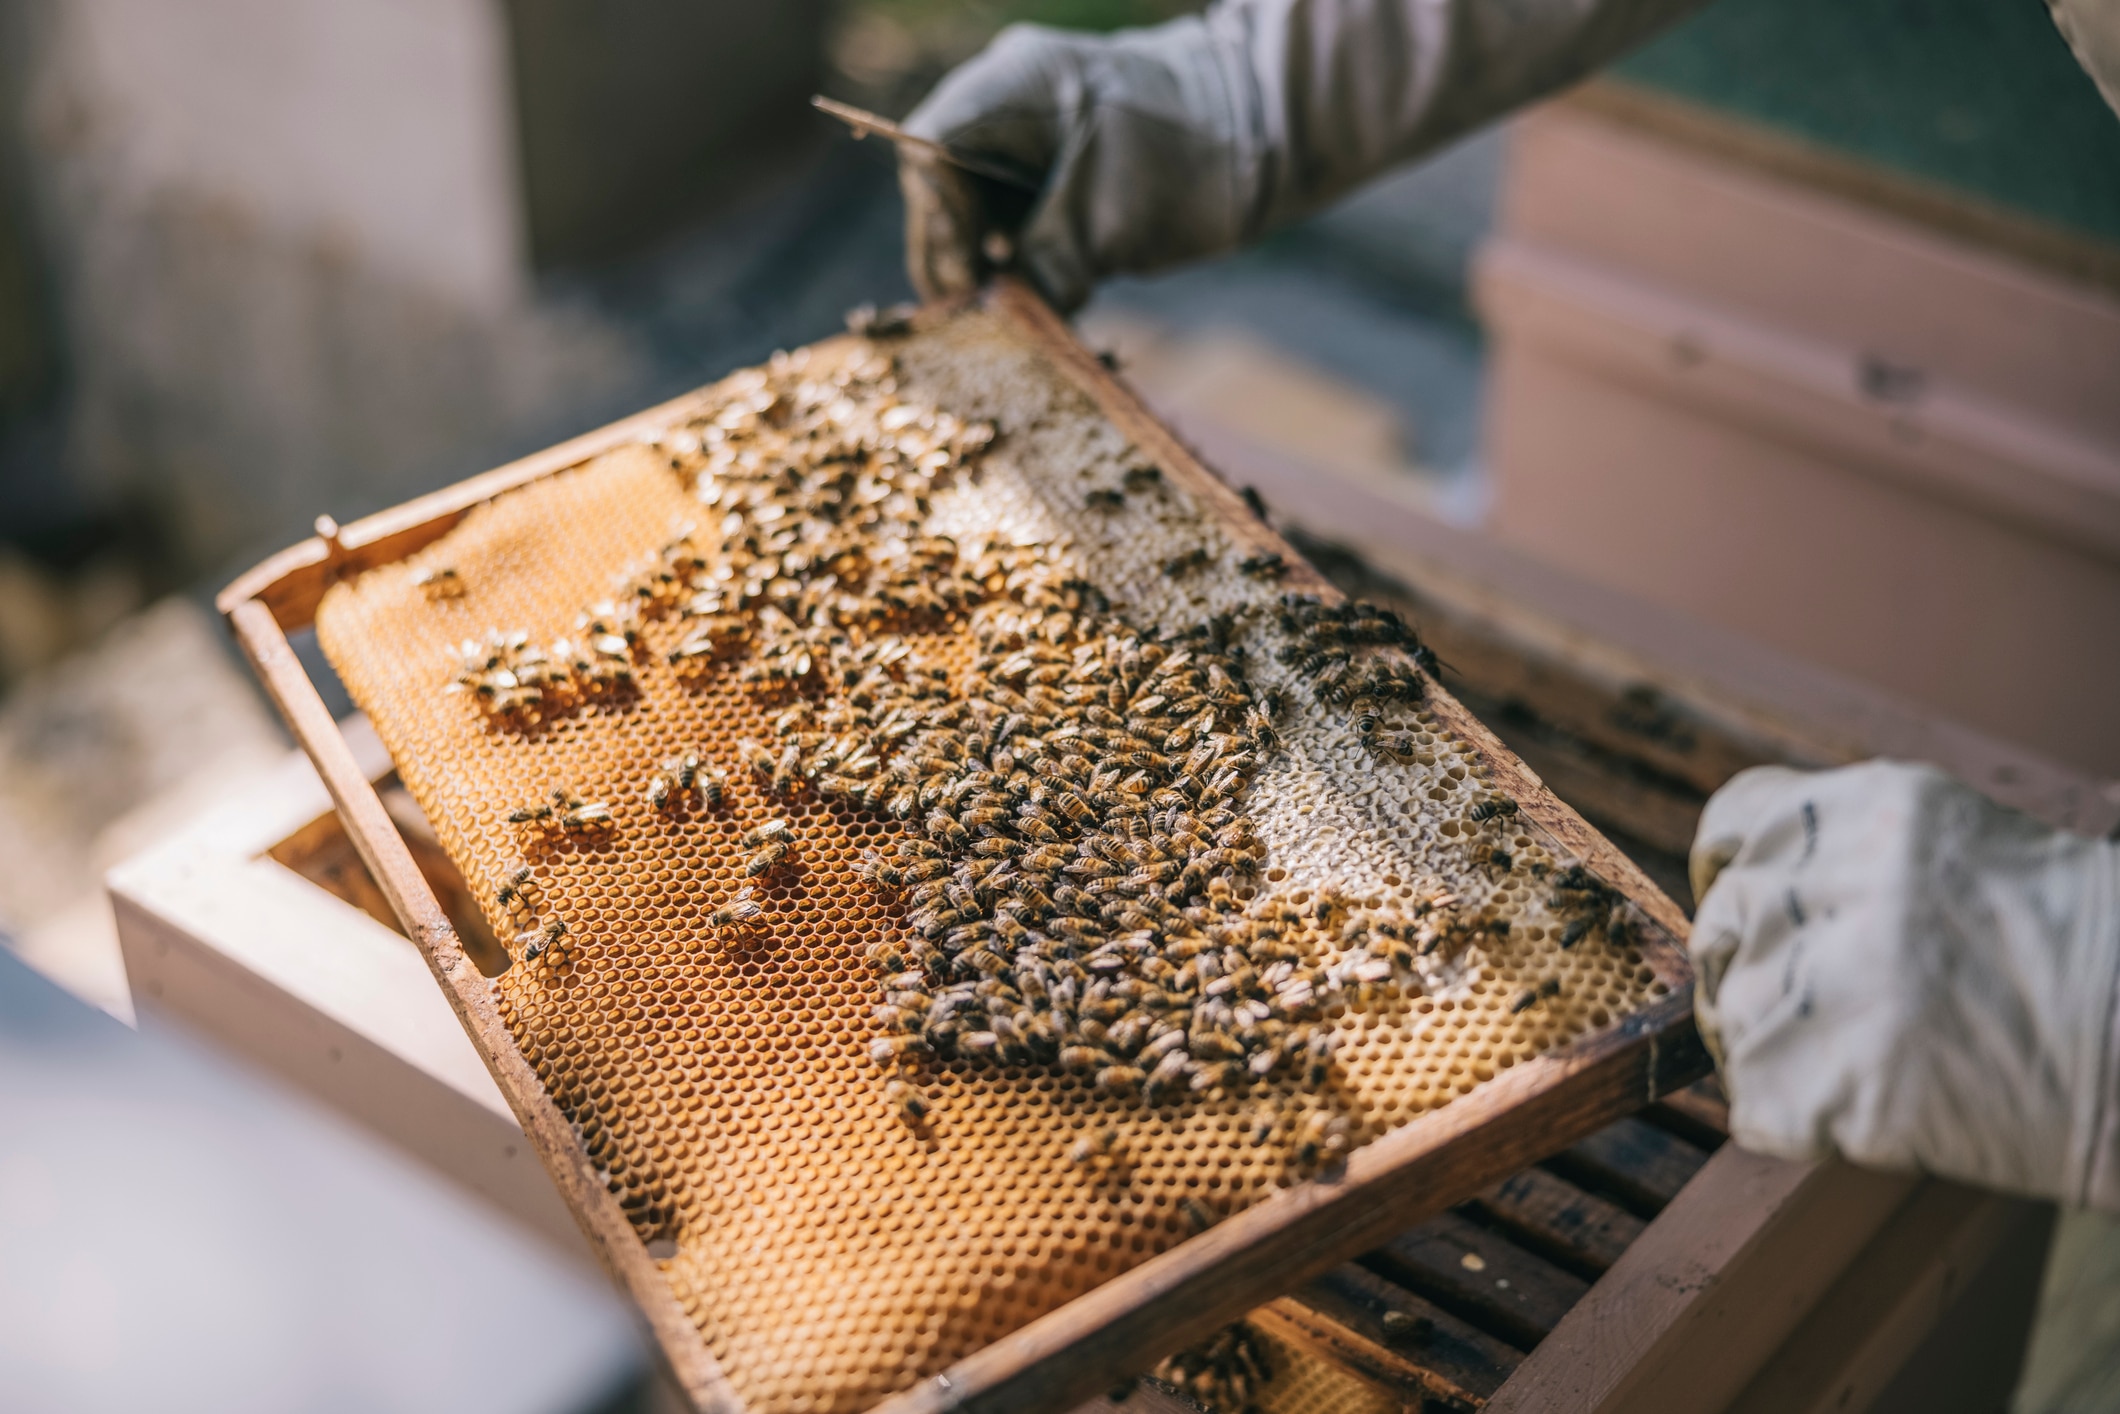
(664, 650)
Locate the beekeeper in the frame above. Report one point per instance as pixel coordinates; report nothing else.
(1891, 968)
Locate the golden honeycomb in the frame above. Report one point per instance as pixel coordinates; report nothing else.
(1300, 1381)
(701, 947)
(1247, 1369)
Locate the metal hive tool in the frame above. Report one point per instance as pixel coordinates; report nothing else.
(712, 956)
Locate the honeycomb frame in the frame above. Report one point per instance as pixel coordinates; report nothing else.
(1566, 1084)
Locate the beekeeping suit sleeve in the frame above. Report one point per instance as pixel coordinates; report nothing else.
(2092, 29)
(1153, 146)
(1892, 968)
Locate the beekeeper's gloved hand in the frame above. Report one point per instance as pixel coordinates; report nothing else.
(1895, 969)
(1158, 145)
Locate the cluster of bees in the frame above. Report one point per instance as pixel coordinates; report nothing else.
(1077, 870)
(569, 814)
(687, 780)
(563, 810)
(1589, 903)
(1326, 639)
(439, 582)
(514, 678)
(536, 935)
(1226, 1372)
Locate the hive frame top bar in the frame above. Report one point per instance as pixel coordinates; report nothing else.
(1129, 1321)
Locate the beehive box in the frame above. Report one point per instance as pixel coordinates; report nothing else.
(979, 913)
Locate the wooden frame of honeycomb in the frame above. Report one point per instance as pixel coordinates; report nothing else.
(1158, 935)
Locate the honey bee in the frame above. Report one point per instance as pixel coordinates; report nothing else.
(755, 756)
(942, 827)
(912, 1106)
(887, 1050)
(1531, 996)
(1120, 1079)
(905, 1011)
(1396, 744)
(512, 701)
(1105, 499)
(786, 771)
(684, 770)
(1392, 683)
(738, 912)
(894, 322)
(525, 814)
(1330, 675)
(512, 888)
(767, 857)
(1178, 566)
(1170, 1073)
(586, 815)
(985, 960)
(1198, 1216)
(534, 941)
(1075, 806)
(1040, 828)
(1317, 1059)
(1402, 1326)
(1102, 1150)
(440, 582)
(771, 830)
(879, 871)
(1573, 932)
(1322, 1138)
(710, 637)
(1494, 807)
(1083, 1058)
(1141, 476)
(1575, 879)
(1259, 726)
(606, 617)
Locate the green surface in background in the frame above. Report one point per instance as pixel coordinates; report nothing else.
(991, 15)
(1979, 95)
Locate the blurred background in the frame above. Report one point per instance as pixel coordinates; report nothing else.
(1804, 324)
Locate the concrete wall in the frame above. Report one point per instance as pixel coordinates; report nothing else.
(376, 133)
(290, 258)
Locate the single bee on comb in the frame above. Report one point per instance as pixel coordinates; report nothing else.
(440, 582)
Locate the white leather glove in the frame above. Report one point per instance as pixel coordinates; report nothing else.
(1895, 969)
(1161, 145)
